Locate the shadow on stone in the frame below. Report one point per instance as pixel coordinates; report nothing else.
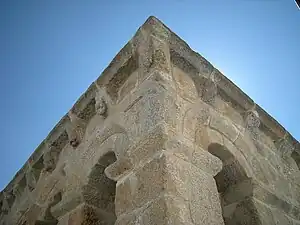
(100, 190)
(230, 183)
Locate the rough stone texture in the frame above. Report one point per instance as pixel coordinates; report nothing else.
(161, 137)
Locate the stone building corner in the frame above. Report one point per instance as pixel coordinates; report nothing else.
(161, 137)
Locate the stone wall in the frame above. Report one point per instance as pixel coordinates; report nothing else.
(161, 137)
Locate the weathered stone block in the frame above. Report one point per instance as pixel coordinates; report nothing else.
(166, 210)
(204, 201)
(149, 145)
(141, 186)
(224, 126)
(204, 136)
(207, 162)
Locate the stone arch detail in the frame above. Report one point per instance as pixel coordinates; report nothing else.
(113, 138)
(202, 125)
(107, 150)
(235, 189)
(116, 131)
(232, 171)
(197, 126)
(235, 179)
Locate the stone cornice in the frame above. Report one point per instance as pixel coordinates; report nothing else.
(227, 88)
(83, 108)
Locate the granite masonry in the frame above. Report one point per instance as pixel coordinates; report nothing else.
(161, 137)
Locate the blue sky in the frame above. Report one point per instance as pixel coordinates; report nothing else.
(51, 51)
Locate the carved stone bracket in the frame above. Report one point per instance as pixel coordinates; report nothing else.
(100, 106)
(76, 129)
(142, 45)
(284, 147)
(50, 158)
(160, 55)
(252, 123)
(209, 91)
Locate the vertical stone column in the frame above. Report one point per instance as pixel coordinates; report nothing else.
(168, 184)
(168, 181)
